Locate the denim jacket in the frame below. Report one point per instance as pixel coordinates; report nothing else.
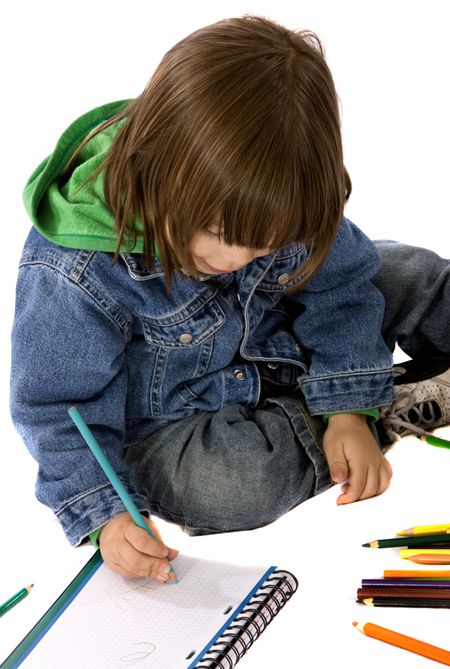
(133, 357)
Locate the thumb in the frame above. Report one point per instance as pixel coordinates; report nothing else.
(171, 552)
(337, 463)
(153, 529)
(339, 472)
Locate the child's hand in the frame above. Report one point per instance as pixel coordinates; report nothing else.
(130, 551)
(354, 457)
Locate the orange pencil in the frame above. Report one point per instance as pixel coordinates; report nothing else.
(405, 642)
(417, 573)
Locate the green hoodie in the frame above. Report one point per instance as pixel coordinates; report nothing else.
(64, 215)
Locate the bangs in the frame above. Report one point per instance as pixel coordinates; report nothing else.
(238, 128)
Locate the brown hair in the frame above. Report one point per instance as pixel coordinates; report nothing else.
(241, 120)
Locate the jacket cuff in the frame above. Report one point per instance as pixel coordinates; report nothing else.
(373, 414)
(93, 537)
(347, 392)
(92, 509)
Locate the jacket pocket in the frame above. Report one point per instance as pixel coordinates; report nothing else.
(186, 328)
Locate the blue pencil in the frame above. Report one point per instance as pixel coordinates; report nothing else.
(110, 473)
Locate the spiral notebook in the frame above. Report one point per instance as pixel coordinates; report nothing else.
(105, 621)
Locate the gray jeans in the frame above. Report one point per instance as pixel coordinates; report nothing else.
(240, 468)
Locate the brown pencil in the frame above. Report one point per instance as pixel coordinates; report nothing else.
(404, 592)
(405, 642)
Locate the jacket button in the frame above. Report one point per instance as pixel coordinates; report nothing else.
(273, 365)
(283, 279)
(239, 375)
(185, 338)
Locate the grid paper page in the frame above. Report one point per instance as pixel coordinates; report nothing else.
(117, 623)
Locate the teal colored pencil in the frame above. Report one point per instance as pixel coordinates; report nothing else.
(110, 473)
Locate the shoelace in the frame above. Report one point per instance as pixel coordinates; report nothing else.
(398, 416)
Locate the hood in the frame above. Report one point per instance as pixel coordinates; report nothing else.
(64, 215)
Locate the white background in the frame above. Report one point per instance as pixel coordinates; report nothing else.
(390, 61)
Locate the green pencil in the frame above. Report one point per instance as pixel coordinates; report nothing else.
(434, 441)
(15, 599)
(116, 483)
(411, 542)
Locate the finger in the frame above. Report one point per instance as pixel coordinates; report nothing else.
(371, 487)
(120, 569)
(376, 482)
(137, 564)
(384, 476)
(357, 482)
(142, 542)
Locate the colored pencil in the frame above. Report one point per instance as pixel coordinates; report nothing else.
(411, 542)
(406, 552)
(426, 555)
(417, 573)
(405, 592)
(426, 558)
(434, 441)
(406, 602)
(405, 642)
(15, 599)
(112, 476)
(402, 582)
(425, 530)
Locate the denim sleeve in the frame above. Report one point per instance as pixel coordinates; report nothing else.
(339, 327)
(67, 351)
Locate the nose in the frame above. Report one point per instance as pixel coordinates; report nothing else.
(240, 256)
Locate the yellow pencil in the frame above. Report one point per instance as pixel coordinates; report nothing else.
(425, 529)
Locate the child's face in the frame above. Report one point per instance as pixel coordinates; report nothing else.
(212, 256)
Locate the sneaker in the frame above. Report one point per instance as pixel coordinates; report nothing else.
(421, 368)
(417, 409)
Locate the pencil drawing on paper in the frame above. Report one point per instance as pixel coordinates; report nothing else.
(139, 655)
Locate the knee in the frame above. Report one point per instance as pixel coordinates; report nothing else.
(246, 498)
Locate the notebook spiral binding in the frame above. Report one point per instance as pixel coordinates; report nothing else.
(252, 622)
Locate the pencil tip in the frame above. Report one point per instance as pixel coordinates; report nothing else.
(172, 578)
(353, 623)
(366, 545)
